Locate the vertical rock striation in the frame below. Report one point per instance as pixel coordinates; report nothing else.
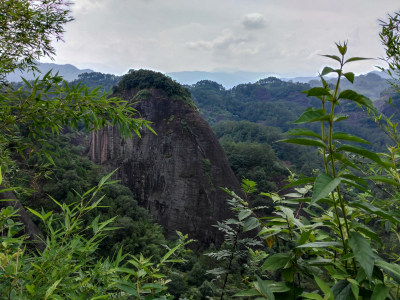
(176, 174)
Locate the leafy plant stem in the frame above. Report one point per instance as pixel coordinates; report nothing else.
(229, 265)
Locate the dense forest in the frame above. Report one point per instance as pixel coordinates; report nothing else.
(318, 217)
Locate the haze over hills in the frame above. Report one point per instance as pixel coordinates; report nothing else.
(228, 79)
(69, 72)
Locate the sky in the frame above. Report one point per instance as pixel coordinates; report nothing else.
(282, 37)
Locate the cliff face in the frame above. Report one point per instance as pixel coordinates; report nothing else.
(176, 174)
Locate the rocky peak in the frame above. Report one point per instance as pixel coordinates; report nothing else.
(176, 174)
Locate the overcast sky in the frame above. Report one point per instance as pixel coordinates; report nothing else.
(284, 37)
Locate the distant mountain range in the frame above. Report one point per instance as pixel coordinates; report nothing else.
(225, 78)
(69, 72)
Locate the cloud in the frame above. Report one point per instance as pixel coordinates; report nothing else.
(221, 42)
(254, 21)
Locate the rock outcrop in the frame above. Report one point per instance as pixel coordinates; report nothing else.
(176, 174)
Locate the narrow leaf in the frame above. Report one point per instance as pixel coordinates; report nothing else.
(321, 245)
(363, 152)
(305, 142)
(348, 137)
(356, 59)
(303, 131)
(334, 57)
(392, 269)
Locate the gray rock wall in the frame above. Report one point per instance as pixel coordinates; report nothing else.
(176, 174)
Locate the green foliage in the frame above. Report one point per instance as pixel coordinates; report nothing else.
(26, 29)
(323, 239)
(146, 79)
(68, 268)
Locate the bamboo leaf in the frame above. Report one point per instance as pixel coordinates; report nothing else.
(324, 184)
(362, 252)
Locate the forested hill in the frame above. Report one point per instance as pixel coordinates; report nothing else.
(266, 109)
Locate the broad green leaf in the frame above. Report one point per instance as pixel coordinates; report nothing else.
(392, 269)
(321, 245)
(127, 287)
(324, 287)
(374, 210)
(303, 131)
(311, 296)
(353, 96)
(310, 115)
(380, 292)
(250, 224)
(355, 59)
(360, 227)
(244, 214)
(339, 117)
(363, 152)
(354, 287)
(247, 293)
(276, 261)
(348, 137)
(317, 92)
(299, 182)
(349, 76)
(327, 70)
(362, 252)
(305, 142)
(383, 179)
(263, 289)
(324, 184)
(342, 290)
